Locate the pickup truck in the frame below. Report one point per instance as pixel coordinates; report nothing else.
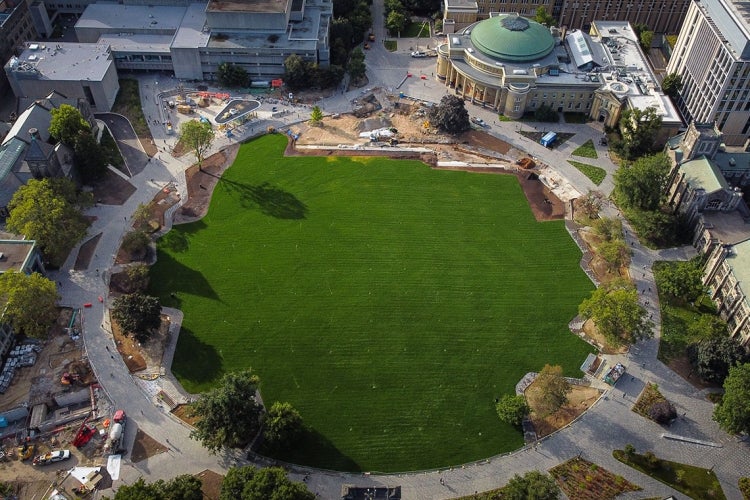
(52, 457)
(417, 53)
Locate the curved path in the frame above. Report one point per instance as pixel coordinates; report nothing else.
(609, 424)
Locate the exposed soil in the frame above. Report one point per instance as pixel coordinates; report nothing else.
(112, 190)
(580, 399)
(183, 412)
(140, 356)
(201, 183)
(592, 333)
(145, 446)
(210, 484)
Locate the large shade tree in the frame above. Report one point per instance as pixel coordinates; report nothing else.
(232, 75)
(137, 314)
(638, 129)
(618, 315)
(551, 390)
(682, 280)
(49, 211)
(733, 412)
(271, 483)
(29, 302)
(533, 485)
(198, 137)
(641, 185)
(229, 414)
(183, 487)
(712, 358)
(66, 123)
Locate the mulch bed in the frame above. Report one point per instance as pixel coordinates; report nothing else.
(112, 190)
(83, 259)
(145, 446)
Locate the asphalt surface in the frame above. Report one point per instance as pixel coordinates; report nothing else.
(130, 147)
(608, 425)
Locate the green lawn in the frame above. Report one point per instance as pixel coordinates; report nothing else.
(416, 30)
(586, 150)
(389, 302)
(390, 45)
(596, 174)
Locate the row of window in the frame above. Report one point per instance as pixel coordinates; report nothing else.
(572, 95)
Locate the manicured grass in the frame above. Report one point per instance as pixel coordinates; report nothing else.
(596, 174)
(586, 150)
(695, 482)
(389, 302)
(390, 45)
(416, 30)
(675, 318)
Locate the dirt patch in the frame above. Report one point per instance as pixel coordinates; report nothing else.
(580, 399)
(83, 259)
(592, 333)
(112, 190)
(140, 356)
(210, 484)
(145, 446)
(201, 183)
(184, 413)
(603, 272)
(682, 367)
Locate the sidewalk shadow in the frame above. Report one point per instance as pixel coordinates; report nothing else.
(270, 200)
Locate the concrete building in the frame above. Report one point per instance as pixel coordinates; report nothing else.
(661, 16)
(515, 65)
(76, 70)
(16, 27)
(713, 56)
(726, 275)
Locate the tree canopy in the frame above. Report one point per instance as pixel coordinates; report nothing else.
(512, 408)
(49, 211)
(271, 483)
(89, 157)
(615, 309)
(590, 204)
(29, 302)
(552, 390)
(450, 115)
(708, 326)
(641, 185)
(229, 414)
(356, 66)
(183, 487)
(66, 123)
(712, 358)
(301, 74)
(638, 129)
(232, 75)
(682, 280)
(395, 21)
(137, 314)
(282, 426)
(198, 137)
(672, 84)
(533, 485)
(316, 115)
(733, 413)
(543, 17)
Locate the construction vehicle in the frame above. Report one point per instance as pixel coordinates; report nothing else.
(52, 457)
(114, 441)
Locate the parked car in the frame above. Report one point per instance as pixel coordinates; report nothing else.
(478, 121)
(371, 37)
(417, 53)
(52, 457)
(367, 46)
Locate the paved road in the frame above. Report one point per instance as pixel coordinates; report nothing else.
(609, 424)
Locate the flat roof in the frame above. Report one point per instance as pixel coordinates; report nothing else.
(190, 33)
(254, 6)
(148, 44)
(732, 161)
(729, 227)
(67, 61)
(109, 16)
(15, 254)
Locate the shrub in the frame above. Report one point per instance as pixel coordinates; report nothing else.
(652, 461)
(662, 412)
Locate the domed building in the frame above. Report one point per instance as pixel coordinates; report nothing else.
(515, 65)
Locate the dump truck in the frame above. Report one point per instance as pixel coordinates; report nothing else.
(116, 436)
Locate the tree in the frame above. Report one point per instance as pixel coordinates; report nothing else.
(66, 123)
(641, 185)
(137, 314)
(733, 413)
(660, 228)
(49, 211)
(712, 358)
(708, 326)
(232, 75)
(615, 253)
(272, 483)
(282, 426)
(89, 157)
(395, 21)
(137, 277)
(228, 415)
(142, 215)
(615, 309)
(552, 391)
(533, 485)
(543, 17)
(29, 302)
(662, 412)
(608, 228)
(183, 487)
(512, 408)
(645, 39)
(682, 280)
(638, 129)
(450, 115)
(198, 137)
(296, 72)
(316, 115)
(672, 84)
(136, 244)
(356, 67)
(590, 204)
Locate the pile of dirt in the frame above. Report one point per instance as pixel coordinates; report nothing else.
(145, 447)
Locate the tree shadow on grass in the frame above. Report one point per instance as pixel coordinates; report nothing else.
(196, 362)
(314, 450)
(178, 279)
(270, 200)
(178, 240)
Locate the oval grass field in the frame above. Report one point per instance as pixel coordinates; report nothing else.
(388, 302)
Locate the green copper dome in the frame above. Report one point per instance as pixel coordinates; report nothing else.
(512, 38)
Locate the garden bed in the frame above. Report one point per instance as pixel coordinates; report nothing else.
(584, 480)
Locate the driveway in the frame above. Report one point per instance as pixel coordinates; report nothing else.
(130, 147)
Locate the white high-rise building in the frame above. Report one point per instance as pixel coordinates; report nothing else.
(713, 56)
